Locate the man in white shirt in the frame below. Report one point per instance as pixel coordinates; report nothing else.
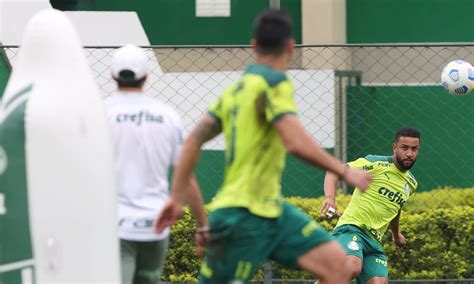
(148, 136)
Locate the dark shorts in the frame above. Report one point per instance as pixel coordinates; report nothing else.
(357, 242)
(241, 242)
(142, 262)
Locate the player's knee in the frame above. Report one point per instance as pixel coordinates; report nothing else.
(355, 266)
(340, 270)
(377, 280)
(355, 271)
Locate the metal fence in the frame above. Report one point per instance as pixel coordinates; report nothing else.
(351, 98)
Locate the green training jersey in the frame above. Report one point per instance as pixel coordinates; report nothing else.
(255, 155)
(387, 194)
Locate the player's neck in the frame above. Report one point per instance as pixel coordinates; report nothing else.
(276, 62)
(130, 90)
(397, 165)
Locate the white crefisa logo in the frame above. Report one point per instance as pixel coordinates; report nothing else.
(3, 160)
(353, 245)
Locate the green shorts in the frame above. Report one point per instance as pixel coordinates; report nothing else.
(357, 242)
(241, 242)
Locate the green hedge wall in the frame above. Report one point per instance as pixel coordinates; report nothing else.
(438, 226)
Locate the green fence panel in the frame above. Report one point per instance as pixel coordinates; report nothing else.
(445, 122)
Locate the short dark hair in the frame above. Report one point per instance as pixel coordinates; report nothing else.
(126, 79)
(407, 131)
(272, 29)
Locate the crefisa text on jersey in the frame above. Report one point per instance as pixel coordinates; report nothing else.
(392, 196)
(138, 118)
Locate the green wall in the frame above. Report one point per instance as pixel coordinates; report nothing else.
(445, 122)
(299, 178)
(4, 72)
(383, 21)
(173, 22)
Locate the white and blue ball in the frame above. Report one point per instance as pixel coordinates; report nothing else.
(458, 77)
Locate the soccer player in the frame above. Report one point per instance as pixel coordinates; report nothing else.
(364, 222)
(249, 221)
(148, 138)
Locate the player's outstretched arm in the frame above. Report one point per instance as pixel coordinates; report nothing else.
(299, 143)
(329, 208)
(206, 129)
(398, 238)
(196, 204)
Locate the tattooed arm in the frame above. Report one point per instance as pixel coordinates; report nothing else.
(207, 128)
(184, 186)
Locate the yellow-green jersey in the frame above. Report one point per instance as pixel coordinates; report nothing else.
(387, 194)
(255, 155)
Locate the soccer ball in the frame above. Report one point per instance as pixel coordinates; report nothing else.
(458, 77)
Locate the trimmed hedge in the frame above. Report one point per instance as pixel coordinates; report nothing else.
(438, 226)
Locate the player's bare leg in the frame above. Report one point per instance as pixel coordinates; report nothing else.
(377, 280)
(327, 262)
(355, 265)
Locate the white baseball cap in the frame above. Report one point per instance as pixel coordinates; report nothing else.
(130, 57)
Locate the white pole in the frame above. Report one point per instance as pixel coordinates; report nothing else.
(275, 4)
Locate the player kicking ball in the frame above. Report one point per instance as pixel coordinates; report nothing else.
(363, 224)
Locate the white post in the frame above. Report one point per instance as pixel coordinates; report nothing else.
(275, 4)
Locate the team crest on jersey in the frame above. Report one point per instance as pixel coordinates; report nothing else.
(353, 245)
(407, 189)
